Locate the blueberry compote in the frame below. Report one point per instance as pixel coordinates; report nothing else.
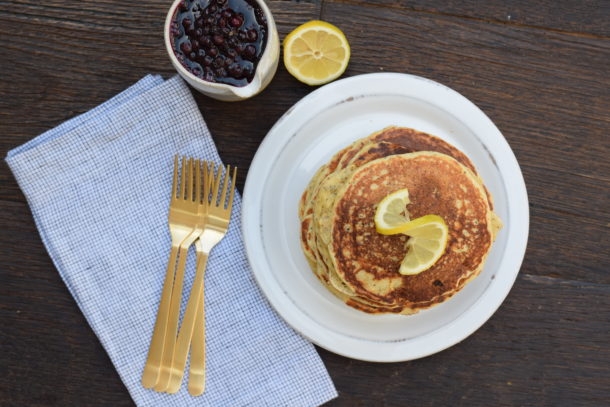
(219, 40)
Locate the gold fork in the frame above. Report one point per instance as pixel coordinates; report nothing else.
(176, 296)
(197, 369)
(182, 220)
(216, 226)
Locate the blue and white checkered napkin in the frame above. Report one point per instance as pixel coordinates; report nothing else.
(98, 186)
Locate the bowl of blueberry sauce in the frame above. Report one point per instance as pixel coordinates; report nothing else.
(226, 49)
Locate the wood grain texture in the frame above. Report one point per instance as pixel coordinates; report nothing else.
(544, 347)
(588, 17)
(548, 94)
(541, 77)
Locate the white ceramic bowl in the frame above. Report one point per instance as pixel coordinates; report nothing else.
(265, 69)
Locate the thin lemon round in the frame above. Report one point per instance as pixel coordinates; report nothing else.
(316, 52)
(391, 214)
(427, 243)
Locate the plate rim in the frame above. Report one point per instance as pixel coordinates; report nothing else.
(354, 347)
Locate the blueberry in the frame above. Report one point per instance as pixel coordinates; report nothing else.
(235, 71)
(186, 47)
(232, 53)
(248, 74)
(206, 42)
(232, 42)
(236, 21)
(209, 76)
(218, 40)
(219, 61)
(250, 51)
(248, 70)
(252, 35)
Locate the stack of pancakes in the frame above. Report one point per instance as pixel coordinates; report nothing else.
(359, 265)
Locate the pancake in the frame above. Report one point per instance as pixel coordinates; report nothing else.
(405, 140)
(411, 140)
(318, 198)
(368, 262)
(316, 212)
(319, 237)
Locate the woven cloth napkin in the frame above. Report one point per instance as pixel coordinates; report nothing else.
(98, 187)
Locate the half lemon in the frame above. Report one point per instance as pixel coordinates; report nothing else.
(316, 52)
(428, 237)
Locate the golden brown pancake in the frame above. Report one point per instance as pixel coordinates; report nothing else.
(438, 184)
(326, 194)
(389, 141)
(324, 191)
(409, 139)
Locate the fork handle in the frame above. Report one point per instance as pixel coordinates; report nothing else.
(188, 325)
(150, 375)
(197, 371)
(174, 315)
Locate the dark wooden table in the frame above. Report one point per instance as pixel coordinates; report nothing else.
(539, 69)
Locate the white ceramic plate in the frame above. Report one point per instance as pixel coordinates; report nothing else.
(314, 129)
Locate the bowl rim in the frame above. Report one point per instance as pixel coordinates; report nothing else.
(182, 69)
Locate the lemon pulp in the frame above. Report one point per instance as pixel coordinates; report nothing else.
(316, 52)
(391, 213)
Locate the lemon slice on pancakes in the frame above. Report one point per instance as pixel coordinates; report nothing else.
(428, 234)
(427, 243)
(392, 214)
(316, 52)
